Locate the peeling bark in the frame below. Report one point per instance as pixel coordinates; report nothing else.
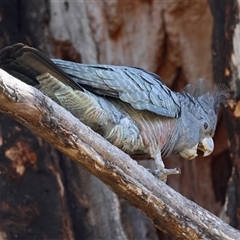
(173, 39)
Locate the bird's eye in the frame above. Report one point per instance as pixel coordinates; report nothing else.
(205, 125)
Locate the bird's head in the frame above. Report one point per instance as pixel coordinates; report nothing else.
(200, 103)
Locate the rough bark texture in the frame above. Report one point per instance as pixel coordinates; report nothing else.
(167, 209)
(173, 39)
(226, 69)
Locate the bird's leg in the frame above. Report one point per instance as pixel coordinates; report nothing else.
(161, 172)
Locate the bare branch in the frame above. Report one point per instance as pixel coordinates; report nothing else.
(169, 211)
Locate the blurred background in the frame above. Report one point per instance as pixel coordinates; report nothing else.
(45, 195)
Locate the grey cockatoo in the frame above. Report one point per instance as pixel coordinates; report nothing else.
(130, 107)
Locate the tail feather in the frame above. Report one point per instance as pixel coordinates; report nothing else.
(27, 63)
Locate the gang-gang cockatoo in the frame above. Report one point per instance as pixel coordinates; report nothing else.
(130, 107)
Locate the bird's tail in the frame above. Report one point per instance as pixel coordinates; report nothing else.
(26, 63)
(34, 68)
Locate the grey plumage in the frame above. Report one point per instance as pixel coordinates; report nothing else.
(130, 107)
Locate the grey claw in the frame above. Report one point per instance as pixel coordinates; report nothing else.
(163, 173)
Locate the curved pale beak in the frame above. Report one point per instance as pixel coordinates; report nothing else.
(206, 146)
(189, 153)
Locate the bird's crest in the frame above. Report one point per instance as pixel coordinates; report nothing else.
(208, 96)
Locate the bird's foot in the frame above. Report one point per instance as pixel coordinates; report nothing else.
(163, 173)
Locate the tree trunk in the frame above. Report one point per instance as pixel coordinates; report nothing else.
(226, 70)
(46, 195)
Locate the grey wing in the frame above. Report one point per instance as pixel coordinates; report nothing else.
(142, 89)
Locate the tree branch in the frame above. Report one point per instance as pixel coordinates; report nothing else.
(168, 210)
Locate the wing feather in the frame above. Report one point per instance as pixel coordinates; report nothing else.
(142, 89)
